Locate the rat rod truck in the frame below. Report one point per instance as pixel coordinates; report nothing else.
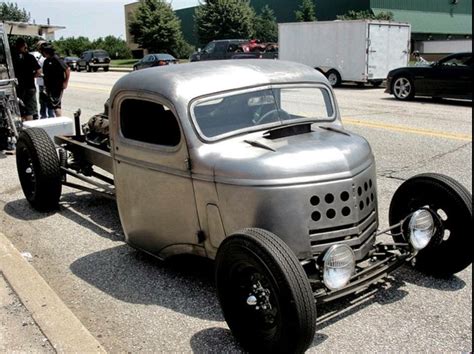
(248, 163)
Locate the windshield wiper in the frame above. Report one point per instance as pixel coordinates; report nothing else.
(259, 145)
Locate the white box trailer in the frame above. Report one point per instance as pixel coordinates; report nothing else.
(357, 51)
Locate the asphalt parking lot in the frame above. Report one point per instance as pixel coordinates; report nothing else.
(132, 303)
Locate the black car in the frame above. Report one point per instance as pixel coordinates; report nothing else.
(451, 77)
(71, 62)
(92, 60)
(218, 50)
(152, 60)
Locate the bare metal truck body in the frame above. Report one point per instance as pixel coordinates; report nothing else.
(248, 163)
(356, 51)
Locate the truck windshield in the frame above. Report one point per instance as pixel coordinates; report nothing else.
(231, 114)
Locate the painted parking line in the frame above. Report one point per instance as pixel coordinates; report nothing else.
(407, 129)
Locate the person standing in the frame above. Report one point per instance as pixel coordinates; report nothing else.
(56, 78)
(26, 70)
(45, 112)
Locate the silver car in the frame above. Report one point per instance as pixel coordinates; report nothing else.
(248, 163)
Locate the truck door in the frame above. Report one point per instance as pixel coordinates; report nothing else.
(389, 48)
(155, 193)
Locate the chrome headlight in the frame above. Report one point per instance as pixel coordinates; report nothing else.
(421, 228)
(339, 266)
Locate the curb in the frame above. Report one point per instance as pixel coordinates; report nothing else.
(121, 70)
(57, 322)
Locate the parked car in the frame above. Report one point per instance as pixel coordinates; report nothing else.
(451, 77)
(92, 60)
(247, 162)
(218, 50)
(71, 62)
(152, 60)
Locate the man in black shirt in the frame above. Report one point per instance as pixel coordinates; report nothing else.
(26, 70)
(56, 77)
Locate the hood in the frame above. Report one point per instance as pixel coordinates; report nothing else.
(312, 157)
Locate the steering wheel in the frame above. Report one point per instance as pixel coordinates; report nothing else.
(281, 113)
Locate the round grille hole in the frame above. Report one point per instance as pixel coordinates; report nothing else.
(331, 214)
(345, 196)
(316, 216)
(346, 211)
(315, 201)
(371, 184)
(329, 199)
(359, 191)
(361, 206)
(366, 186)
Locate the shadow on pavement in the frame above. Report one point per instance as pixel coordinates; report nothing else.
(450, 284)
(184, 284)
(99, 215)
(215, 340)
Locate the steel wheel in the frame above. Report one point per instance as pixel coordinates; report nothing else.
(265, 294)
(334, 78)
(403, 89)
(450, 250)
(39, 170)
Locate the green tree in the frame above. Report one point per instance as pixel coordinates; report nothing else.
(116, 47)
(72, 46)
(156, 27)
(11, 12)
(266, 26)
(366, 15)
(306, 11)
(224, 19)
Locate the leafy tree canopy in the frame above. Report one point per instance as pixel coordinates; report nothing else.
(11, 12)
(367, 15)
(306, 11)
(156, 27)
(266, 26)
(225, 19)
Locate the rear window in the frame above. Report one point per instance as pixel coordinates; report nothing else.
(101, 54)
(149, 122)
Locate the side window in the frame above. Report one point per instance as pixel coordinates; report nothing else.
(149, 122)
(210, 48)
(3, 61)
(458, 61)
(221, 47)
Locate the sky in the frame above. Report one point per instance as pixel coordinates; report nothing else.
(90, 18)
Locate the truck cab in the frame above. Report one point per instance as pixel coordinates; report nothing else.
(247, 163)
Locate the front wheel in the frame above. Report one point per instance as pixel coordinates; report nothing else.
(39, 169)
(450, 252)
(264, 293)
(106, 68)
(403, 88)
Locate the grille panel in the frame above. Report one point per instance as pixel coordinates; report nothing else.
(346, 212)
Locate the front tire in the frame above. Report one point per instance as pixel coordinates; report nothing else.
(453, 204)
(403, 88)
(39, 169)
(264, 293)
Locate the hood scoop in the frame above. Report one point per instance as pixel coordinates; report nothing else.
(288, 130)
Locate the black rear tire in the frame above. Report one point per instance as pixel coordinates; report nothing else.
(253, 262)
(453, 203)
(39, 170)
(106, 68)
